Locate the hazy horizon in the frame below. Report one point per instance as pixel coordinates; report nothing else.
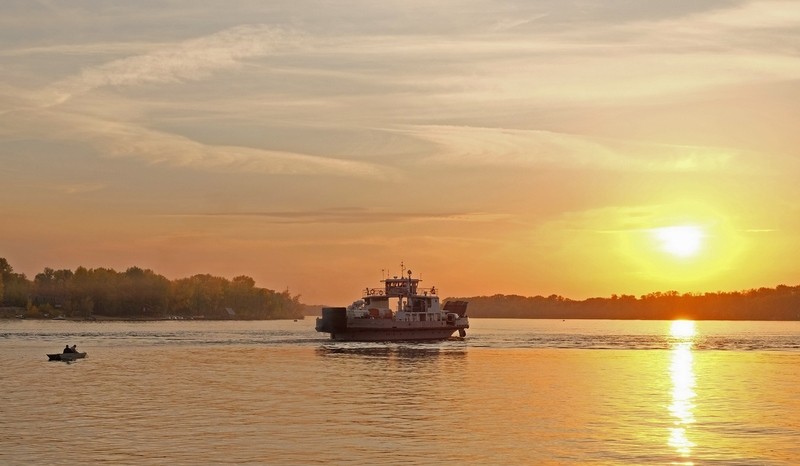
(582, 149)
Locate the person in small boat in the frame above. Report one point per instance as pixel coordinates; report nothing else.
(74, 348)
(67, 349)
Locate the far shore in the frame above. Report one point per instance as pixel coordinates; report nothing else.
(7, 313)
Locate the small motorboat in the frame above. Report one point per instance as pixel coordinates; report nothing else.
(65, 356)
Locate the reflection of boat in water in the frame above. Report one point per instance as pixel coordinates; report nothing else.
(65, 356)
(385, 352)
(417, 314)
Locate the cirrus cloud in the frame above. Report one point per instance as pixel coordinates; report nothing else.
(188, 60)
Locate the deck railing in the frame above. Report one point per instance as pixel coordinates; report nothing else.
(382, 292)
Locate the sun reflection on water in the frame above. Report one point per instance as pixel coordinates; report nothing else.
(682, 329)
(683, 382)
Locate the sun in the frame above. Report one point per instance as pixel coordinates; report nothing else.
(680, 241)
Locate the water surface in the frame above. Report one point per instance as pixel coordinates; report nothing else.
(512, 392)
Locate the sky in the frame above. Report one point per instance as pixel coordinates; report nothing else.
(532, 147)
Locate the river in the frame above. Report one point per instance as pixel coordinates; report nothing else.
(513, 392)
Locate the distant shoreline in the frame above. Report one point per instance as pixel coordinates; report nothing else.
(15, 313)
(137, 319)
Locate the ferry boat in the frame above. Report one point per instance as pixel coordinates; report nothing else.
(401, 310)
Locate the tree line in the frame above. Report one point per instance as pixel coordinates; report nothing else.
(779, 303)
(141, 294)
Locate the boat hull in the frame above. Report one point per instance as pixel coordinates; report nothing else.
(341, 328)
(65, 356)
(394, 334)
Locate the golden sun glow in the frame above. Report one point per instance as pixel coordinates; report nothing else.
(682, 246)
(680, 241)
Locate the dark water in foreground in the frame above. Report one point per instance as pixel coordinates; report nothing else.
(513, 392)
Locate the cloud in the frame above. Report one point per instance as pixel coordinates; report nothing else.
(110, 138)
(352, 215)
(156, 147)
(756, 15)
(78, 188)
(101, 122)
(189, 60)
(91, 49)
(461, 145)
(486, 77)
(589, 63)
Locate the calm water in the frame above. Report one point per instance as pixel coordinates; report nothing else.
(513, 392)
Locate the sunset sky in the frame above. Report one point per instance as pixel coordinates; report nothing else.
(580, 148)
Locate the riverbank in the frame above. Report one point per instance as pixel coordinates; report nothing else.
(20, 313)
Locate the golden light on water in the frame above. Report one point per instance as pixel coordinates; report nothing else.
(683, 381)
(682, 329)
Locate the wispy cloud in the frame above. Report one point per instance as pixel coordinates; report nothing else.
(189, 60)
(532, 148)
(81, 50)
(156, 147)
(353, 215)
(754, 15)
(115, 133)
(123, 139)
(78, 188)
